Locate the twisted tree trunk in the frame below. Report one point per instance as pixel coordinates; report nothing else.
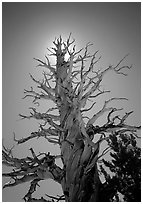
(78, 183)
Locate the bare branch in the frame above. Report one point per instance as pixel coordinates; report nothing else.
(32, 168)
(90, 92)
(105, 151)
(22, 140)
(118, 128)
(40, 116)
(92, 63)
(52, 53)
(36, 96)
(17, 181)
(58, 198)
(88, 109)
(98, 94)
(41, 133)
(32, 189)
(51, 109)
(45, 88)
(9, 151)
(99, 77)
(103, 110)
(125, 117)
(86, 55)
(118, 71)
(45, 65)
(34, 156)
(53, 140)
(110, 113)
(37, 200)
(75, 53)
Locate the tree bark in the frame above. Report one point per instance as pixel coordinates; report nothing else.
(78, 184)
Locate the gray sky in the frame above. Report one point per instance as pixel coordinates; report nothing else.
(29, 28)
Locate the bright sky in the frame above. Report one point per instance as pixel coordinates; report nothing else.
(29, 28)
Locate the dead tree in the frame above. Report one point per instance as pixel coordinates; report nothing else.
(70, 84)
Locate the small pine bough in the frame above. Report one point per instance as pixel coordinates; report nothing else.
(69, 84)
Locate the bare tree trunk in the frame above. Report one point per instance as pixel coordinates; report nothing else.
(78, 183)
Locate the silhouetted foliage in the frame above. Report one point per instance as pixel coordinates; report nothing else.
(125, 168)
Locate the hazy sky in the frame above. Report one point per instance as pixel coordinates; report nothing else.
(29, 28)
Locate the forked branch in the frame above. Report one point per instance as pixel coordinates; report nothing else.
(103, 110)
